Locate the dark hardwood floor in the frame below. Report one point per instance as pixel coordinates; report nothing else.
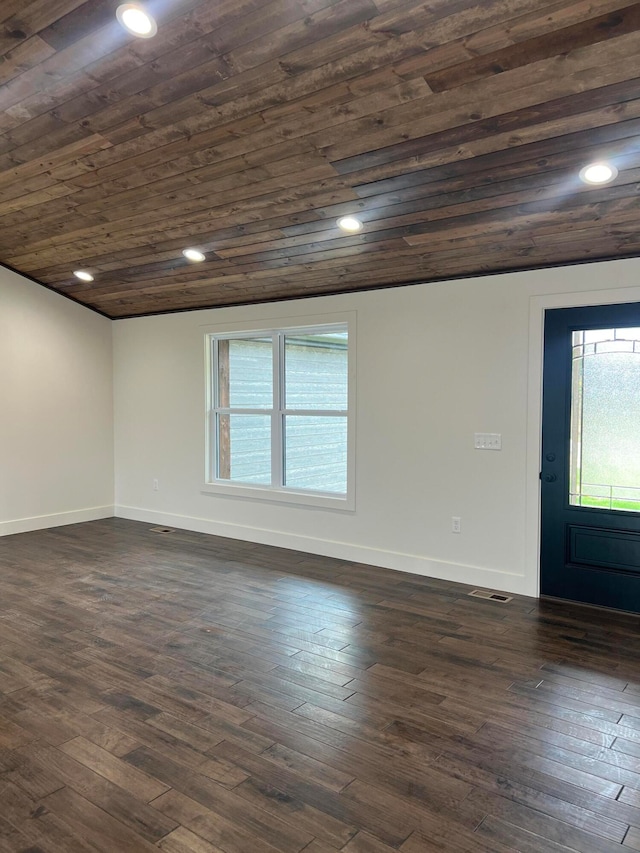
(197, 695)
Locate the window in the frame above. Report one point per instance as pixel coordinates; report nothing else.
(279, 413)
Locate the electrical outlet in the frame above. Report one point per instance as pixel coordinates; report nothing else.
(456, 524)
(156, 486)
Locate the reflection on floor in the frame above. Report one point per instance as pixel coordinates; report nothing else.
(191, 693)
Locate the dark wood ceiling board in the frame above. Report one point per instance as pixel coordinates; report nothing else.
(257, 275)
(275, 191)
(65, 160)
(443, 21)
(130, 234)
(502, 150)
(554, 179)
(519, 244)
(578, 35)
(555, 185)
(455, 128)
(134, 263)
(532, 258)
(238, 235)
(383, 228)
(512, 122)
(248, 272)
(319, 21)
(209, 95)
(159, 80)
(383, 275)
(542, 19)
(30, 185)
(459, 108)
(588, 237)
(439, 248)
(8, 10)
(520, 261)
(107, 59)
(134, 92)
(246, 291)
(27, 55)
(470, 203)
(618, 139)
(30, 18)
(86, 17)
(31, 199)
(203, 166)
(250, 265)
(477, 224)
(504, 145)
(212, 183)
(494, 182)
(49, 248)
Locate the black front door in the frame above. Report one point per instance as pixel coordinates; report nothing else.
(590, 535)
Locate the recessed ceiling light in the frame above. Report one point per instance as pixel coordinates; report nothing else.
(194, 255)
(598, 173)
(349, 223)
(83, 275)
(136, 20)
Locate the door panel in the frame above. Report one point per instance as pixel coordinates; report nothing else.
(590, 534)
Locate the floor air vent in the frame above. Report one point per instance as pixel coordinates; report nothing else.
(491, 596)
(161, 530)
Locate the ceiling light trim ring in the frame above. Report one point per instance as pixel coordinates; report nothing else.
(598, 173)
(194, 255)
(350, 224)
(127, 13)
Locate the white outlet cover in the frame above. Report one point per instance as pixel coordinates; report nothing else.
(487, 441)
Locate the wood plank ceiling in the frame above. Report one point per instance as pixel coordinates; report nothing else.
(455, 129)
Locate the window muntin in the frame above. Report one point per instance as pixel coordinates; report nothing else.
(279, 410)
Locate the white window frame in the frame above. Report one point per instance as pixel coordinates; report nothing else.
(277, 492)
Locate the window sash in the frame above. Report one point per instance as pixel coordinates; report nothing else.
(277, 413)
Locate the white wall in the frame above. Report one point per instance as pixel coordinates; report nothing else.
(56, 409)
(435, 363)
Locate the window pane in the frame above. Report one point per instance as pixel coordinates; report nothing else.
(316, 371)
(245, 374)
(605, 413)
(316, 453)
(244, 448)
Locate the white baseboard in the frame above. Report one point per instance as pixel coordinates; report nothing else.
(412, 563)
(41, 522)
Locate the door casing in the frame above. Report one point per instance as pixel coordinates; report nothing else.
(538, 305)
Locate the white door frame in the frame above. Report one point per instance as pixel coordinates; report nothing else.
(537, 307)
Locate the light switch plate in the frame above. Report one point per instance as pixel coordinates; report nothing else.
(487, 441)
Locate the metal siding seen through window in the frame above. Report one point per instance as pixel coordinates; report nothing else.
(250, 374)
(316, 371)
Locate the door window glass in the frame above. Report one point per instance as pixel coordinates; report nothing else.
(605, 419)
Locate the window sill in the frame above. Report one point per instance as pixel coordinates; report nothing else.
(320, 500)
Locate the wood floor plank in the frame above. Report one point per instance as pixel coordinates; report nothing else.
(533, 821)
(222, 801)
(93, 824)
(130, 810)
(183, 840)
(211, 826)
(225, 701)
(113, 768)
